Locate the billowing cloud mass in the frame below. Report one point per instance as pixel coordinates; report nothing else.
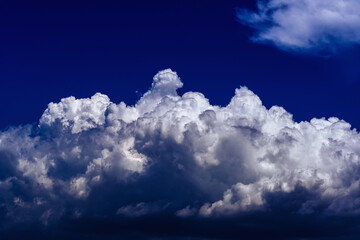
(176, 166)
(305, 25)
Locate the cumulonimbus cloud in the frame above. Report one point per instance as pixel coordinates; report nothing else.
(177, 157)
(305, 25)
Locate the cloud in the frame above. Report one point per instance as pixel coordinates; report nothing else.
(93, 169)
(305, 25)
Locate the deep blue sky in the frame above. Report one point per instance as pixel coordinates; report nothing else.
(55, 49)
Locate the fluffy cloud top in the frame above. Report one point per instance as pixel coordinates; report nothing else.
(91, 161)
(305, 25)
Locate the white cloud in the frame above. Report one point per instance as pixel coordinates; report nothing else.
(76, 114)
(176, 154)
(305, 25)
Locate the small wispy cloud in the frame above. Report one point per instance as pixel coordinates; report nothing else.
(311, 26)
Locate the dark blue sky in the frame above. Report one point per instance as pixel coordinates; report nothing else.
(50, 50)
(171, 167)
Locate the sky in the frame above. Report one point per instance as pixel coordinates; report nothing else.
(180, 119)
(69, 48)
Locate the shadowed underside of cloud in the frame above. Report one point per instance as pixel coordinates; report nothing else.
(178, 167)
(305, 25)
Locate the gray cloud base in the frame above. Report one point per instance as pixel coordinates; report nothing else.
(178, 160)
